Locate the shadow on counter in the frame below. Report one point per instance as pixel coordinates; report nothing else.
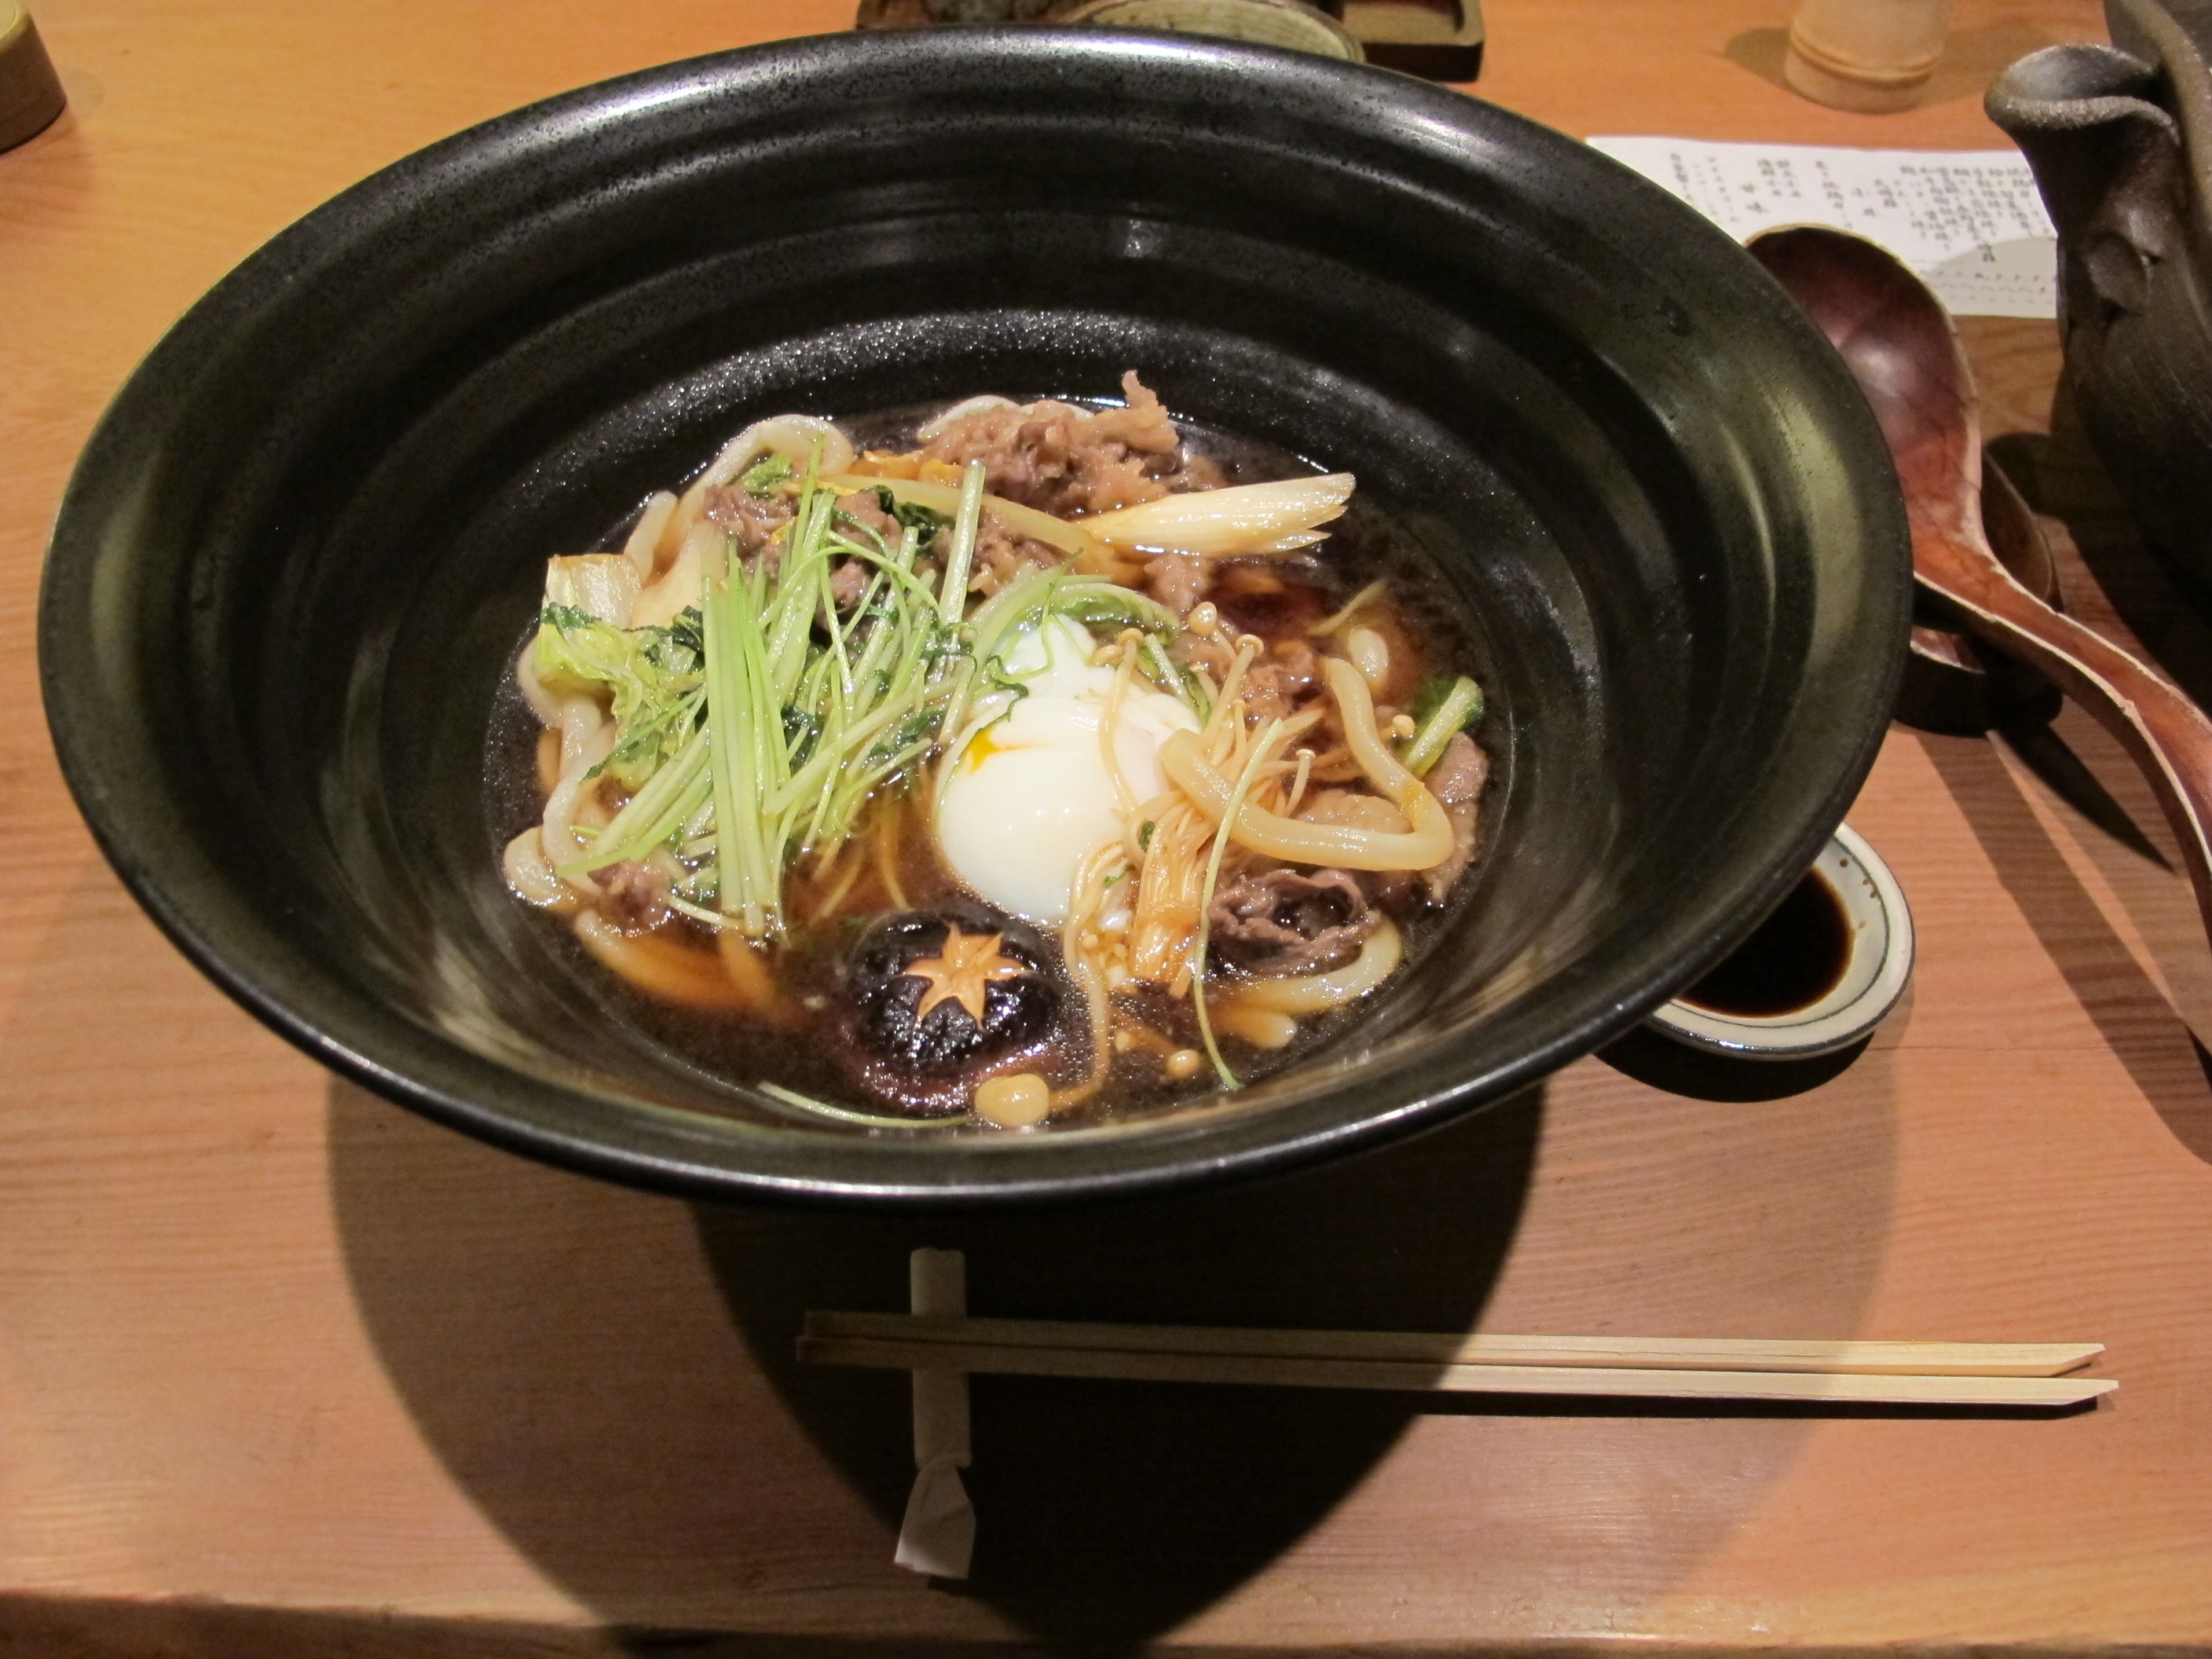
(1117, 1509)
(2083, 766)
(611, 1376)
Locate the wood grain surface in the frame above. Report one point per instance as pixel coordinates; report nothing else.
(285, 1369)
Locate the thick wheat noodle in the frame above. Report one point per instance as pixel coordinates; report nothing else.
(1263, 1028)
(750, 977)
(542, 703)
(1261, 752)
(1427, 844)
(1315, 993)
(643, 547)
(1355, 708)
(696, 979)
(1166, 916)
(791, 437)
(587, 738)
(529, 873)
(929, 430)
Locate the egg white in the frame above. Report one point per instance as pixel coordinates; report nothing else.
(1030, 795)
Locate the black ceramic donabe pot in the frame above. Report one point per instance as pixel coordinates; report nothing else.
(299, 552)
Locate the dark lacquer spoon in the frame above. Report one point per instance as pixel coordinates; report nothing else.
(1898, 341)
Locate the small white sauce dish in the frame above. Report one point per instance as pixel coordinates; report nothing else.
(1878, 960)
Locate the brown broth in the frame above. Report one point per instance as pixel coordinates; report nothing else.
(1277, 601)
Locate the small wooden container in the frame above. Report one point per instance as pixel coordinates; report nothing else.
(30, 92)
(1872, 56)
(1289, 23)
(1441, 39)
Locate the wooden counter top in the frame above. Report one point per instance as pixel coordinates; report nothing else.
(283, 1369)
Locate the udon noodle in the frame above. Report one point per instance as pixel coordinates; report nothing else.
(1023, 767)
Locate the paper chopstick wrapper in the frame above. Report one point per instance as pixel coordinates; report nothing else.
(937, 1536)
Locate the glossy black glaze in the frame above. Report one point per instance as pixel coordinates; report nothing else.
(298, 550)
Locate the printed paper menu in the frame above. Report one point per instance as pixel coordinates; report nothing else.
(1970, 221)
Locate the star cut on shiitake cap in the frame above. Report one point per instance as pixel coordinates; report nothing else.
(964, 968)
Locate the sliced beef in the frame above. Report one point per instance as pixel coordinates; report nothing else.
(1282, 922)
(1355, 808)
(1457, 779)
(864, 509)
(636, 898)
(1064, 460)
(1395, 890)
(1209, 651)
(848, 583)
(754, 520)
(1281, 681)
(1178, 580)
(1002, 556)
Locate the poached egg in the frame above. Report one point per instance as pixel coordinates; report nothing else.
(1031, 794)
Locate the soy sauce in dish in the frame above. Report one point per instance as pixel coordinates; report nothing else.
(1796, 957)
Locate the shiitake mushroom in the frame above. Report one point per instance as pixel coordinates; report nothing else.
(933, 1001)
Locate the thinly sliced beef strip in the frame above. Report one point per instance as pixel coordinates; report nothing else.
(1064, 460)
(1280, 922)
(1457, 779)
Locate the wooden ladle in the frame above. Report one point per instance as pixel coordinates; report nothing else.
(1898, 342)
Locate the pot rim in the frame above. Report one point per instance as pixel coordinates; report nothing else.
(454, 1085)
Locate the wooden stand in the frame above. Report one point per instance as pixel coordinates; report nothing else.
(31, 98)
(1870, 56)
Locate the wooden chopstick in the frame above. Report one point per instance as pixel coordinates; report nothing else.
(1906, 1373)
(1631, 1352)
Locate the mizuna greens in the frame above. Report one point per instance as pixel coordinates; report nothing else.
(767, 711)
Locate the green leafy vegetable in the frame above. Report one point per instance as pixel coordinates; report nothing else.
(765, 474)
(924, 521)
(654, 673)
(1444, 706)
(755, 728)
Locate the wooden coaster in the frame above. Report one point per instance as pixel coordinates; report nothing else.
(30, 92)
(1440, 39)
(1268, 22)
